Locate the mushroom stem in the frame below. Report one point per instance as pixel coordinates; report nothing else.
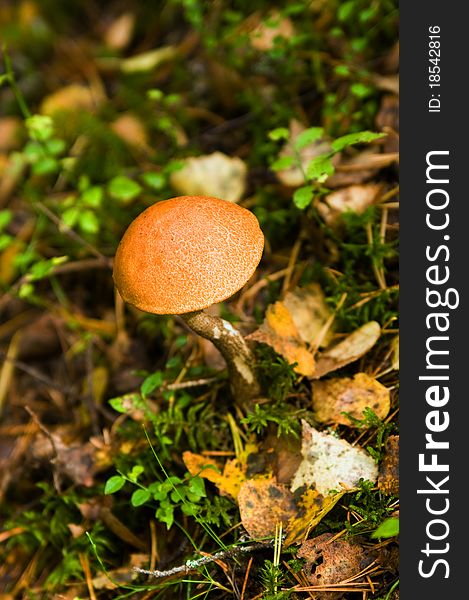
(234, 348)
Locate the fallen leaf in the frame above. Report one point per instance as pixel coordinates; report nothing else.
(356, 198)
(361, 166)
(131, 130)
(395, 353)
(282, 455)
(120, 31)
(228, 481)
(295, 176)
(148, 61)
(388, 479)
(74, 97)
(388, 119)
(309, 311)
(280, 333)
(332, 397)
(214, 174)
(332, 561)
(11, 129)
(262, 504)
(312, 507)
(273, 26)
(348, 350)
(330, 463)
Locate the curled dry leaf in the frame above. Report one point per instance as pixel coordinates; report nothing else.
(330, 463)
(228, 479)
(388, 479)
(262, 504)
(294, 176)
(280, 333)
(356, 198)
(348, 350)
(332, 397)
(74, 97)
(361, 166)
(215, 174)
(341, 560)
(309, 311)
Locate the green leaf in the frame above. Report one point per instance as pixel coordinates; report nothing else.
(55, 146)
(139, 497)
(40, 127)
(88, 222)
(151, 383)
(197, 486)
(303, 196)
(5, 218)
(125, 403)
(156, 181)
(360, 90)
(189, 509)
(124, 189)
(45, 166)
(281, 133)
(93, 196)
(387, 529)
(70, 216)
(114, 484)
(44, 267)
(135, 473)
(307, 137)
(165, 515)
(320, 168)
(355, 138)
(284, 162)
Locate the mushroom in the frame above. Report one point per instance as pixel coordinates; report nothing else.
(182, 255)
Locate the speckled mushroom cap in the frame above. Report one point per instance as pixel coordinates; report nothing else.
(184, 254)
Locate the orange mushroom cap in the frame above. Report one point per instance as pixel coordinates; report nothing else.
(186, 253)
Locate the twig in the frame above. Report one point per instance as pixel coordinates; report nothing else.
(193, 565)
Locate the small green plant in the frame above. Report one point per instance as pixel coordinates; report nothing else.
(320, 167)
(370, 504)
(372, 421)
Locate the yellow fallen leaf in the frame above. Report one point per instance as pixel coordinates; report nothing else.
(228, 482)
(348, 350)
(309, 311)
(332, 397)
(312, 508)
(130, 129)
(279, 331)
(262, 504)
(214, 174)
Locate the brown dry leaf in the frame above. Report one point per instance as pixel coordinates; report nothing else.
(312, 508)
(341, 560)
(294, 176)
(123, 575)
(348, 350)
(11, 129)
(330, 463)
(131, 130)
(388, 479)
(356, 198)
(279, 331)
(271, 27)
(361, 166)
(120, 31)
(309, 311)
(228, 482)
(281, 455)
(262, 504)
(74, 97)
(214, 174)
(332, 397)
